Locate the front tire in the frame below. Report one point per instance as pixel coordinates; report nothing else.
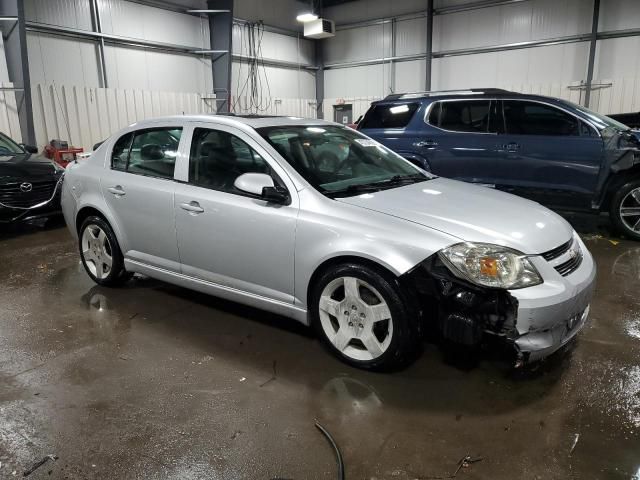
(625, 209)
(361, 316)
(100, 253)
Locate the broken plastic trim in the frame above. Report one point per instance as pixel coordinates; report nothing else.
(463, 312)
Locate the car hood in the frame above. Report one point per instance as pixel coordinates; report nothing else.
(471, 213)
(20, 167)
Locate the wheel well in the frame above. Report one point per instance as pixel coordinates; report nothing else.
(334, 262)
(86, 212)
(616, 182)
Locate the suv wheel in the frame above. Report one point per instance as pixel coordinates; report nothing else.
(100, 253)
(625, 209)
(361, 317)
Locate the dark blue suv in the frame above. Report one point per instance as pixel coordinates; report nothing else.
(547, 149)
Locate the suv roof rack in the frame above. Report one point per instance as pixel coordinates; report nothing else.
(469, 91)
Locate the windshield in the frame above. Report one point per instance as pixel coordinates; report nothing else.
(8, 146)
(339, 161)
(600, 121)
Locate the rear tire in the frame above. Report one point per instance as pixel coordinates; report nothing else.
(625, 209)
(360, 314)
(100, 253)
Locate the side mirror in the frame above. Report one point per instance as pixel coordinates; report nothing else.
(29, 148)
(262, 185)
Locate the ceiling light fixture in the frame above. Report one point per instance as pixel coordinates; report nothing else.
(307, 17)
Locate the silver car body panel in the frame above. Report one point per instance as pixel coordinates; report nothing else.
(264, 255)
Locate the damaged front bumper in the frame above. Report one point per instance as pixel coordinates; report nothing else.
(532, 322)
(551, 314)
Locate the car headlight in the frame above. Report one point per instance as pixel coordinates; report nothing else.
(490, 265)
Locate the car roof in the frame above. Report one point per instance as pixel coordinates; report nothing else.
(253, 121)
(462, 94)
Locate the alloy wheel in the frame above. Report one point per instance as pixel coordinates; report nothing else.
(355, 318)
(630, 210)
(96, 251)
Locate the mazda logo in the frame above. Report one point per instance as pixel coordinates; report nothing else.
(26, 187)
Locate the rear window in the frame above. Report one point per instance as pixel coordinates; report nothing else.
(389, 116)
(461, 116)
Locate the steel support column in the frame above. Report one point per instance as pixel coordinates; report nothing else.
(429, 52)
(221, 34)
(14, 34)
(592, 51)
(97, 27)
(319, 53)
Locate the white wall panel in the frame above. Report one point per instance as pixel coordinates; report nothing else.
(9, 121)
(154, 70)
(4, 71)
(85, 116)
(358, 44)
(67, 13)
(411, 36)
(62, 60)
(554, 64)
(619, 14)
(275, 82)
(366, 81)
(372, 9)
(617, 58)
(410, 76)
(517, 22)
(130, 19)
(276, 46)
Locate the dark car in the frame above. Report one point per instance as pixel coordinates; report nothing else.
(29, 185)
(546, 149)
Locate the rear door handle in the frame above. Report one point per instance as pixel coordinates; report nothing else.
(425, 143)
(192, 207)
(118, 191)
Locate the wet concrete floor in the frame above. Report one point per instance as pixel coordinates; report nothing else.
(153, 381)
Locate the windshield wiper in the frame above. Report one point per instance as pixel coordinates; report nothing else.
(396, 180)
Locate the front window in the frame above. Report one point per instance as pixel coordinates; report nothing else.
(533, 118)
(8, 146)
(339, 161)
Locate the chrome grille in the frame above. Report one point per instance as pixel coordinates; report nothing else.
(569, 266)
(558, 251)
(12, 196)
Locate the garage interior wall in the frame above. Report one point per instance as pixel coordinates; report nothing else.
(68, 100)
(558, 70)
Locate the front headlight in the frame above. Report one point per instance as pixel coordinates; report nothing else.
(490, 265)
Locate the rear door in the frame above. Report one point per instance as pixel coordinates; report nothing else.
(461, 138)
(551, 155)
(138, 188)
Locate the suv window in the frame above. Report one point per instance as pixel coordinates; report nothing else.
(461, 116)
(532, 118)
(217, 158)
(150, 152)
(389, 116)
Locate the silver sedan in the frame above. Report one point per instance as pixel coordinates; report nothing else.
(320, 223)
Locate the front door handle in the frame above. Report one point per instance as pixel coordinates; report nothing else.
(118, 191)
(192, 207)
(512, 147)
(425, 143)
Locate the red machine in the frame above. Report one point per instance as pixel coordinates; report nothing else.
(60, 152)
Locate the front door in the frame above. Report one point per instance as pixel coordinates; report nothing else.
(550, 155)
(229, 237)
(139, 188)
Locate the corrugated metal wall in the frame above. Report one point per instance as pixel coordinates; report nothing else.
(554, 69)
(71, 61)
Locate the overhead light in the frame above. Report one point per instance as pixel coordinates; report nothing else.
(307, 17)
